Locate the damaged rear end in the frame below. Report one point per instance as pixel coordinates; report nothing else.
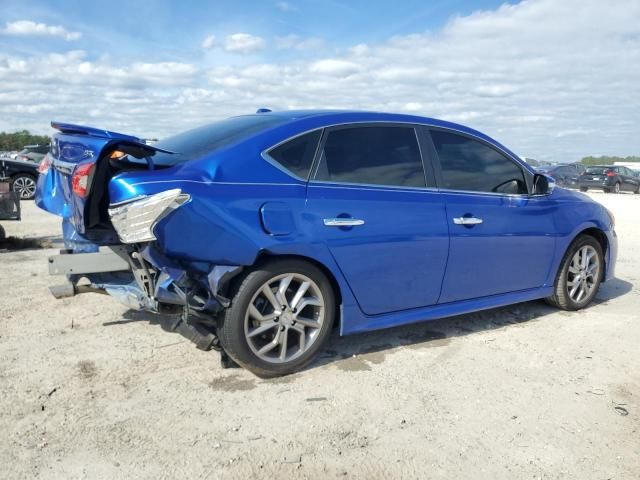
(112, 192)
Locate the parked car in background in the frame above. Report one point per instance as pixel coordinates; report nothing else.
(264, 231)
(33, 153)
(609, 178)
(22, 176)
(564, 175)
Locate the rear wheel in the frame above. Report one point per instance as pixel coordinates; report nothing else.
(580, 274)
(280, 318)
(24, 185)
(616, 188)
(637, 190)
(584, 189)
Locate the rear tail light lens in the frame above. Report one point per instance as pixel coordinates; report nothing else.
(611, 173)
(45, 164)
(134, 221)
(81, 179)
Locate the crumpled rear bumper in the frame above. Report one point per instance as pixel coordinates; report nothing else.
(142, 278)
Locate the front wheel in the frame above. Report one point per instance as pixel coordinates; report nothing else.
(580, 274)
(584, 189)
(280, 318)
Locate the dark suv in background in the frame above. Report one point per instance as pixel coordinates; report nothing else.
(564, 175)
(609, 178)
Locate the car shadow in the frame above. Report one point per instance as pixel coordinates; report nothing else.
(360, 351)
(12, 243)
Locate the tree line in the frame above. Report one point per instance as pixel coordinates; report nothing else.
(607, 160)
(17, 140)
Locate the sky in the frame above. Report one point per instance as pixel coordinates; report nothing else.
(552, 80)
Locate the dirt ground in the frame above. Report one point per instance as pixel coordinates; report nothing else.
(91, 390)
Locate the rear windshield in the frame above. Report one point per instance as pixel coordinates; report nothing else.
(195, 143)
(598, 170)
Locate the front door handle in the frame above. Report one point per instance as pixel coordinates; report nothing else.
(467, 221)
(342, 222)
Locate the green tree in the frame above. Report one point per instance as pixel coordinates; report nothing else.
(17, 140)
(607, 160)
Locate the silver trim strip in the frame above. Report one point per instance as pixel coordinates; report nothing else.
(62, 166)
(467, 221)
(343, 222)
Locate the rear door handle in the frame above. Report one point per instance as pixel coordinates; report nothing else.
(467, 221)
(342, 222)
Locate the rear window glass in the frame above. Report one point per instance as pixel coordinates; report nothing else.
(598, 170)
(195, 143)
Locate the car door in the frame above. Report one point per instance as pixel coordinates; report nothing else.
(562, 175)
(501, 238)
(630, 180)
(368, 201)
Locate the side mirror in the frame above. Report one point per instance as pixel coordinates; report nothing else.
(542, 185)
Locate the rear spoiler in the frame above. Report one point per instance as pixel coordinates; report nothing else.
(134, 146)
(70, 128)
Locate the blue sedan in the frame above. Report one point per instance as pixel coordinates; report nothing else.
(261, 233)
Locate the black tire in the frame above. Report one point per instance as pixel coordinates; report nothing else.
(24, 185)
(616, 188)
(637, 190)
(231, 328)
(561, 298)
(584, 189)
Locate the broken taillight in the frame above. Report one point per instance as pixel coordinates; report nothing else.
(81, 179)
(45, 164)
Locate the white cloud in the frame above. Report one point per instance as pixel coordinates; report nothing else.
(334, 66)
(208, 42)
(27, 27)
(243, 43)
(547, 78)
(285, 7)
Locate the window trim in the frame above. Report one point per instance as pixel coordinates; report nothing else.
(429, 183)
(428, 159)
(526, 174)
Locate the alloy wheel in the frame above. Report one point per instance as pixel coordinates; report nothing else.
(616, 188)
(284, 318)
(583, 272)
(25, 187)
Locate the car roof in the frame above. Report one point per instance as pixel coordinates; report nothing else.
(346, 116)
(337, 117)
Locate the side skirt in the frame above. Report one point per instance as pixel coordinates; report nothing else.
(354, 321)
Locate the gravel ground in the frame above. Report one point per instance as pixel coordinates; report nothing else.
(91, 390)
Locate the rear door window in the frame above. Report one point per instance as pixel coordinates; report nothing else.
(372, 155)
(470, 165)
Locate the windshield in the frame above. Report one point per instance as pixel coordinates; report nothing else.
(195, 143)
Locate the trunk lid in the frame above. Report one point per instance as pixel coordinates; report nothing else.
(75, 173)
